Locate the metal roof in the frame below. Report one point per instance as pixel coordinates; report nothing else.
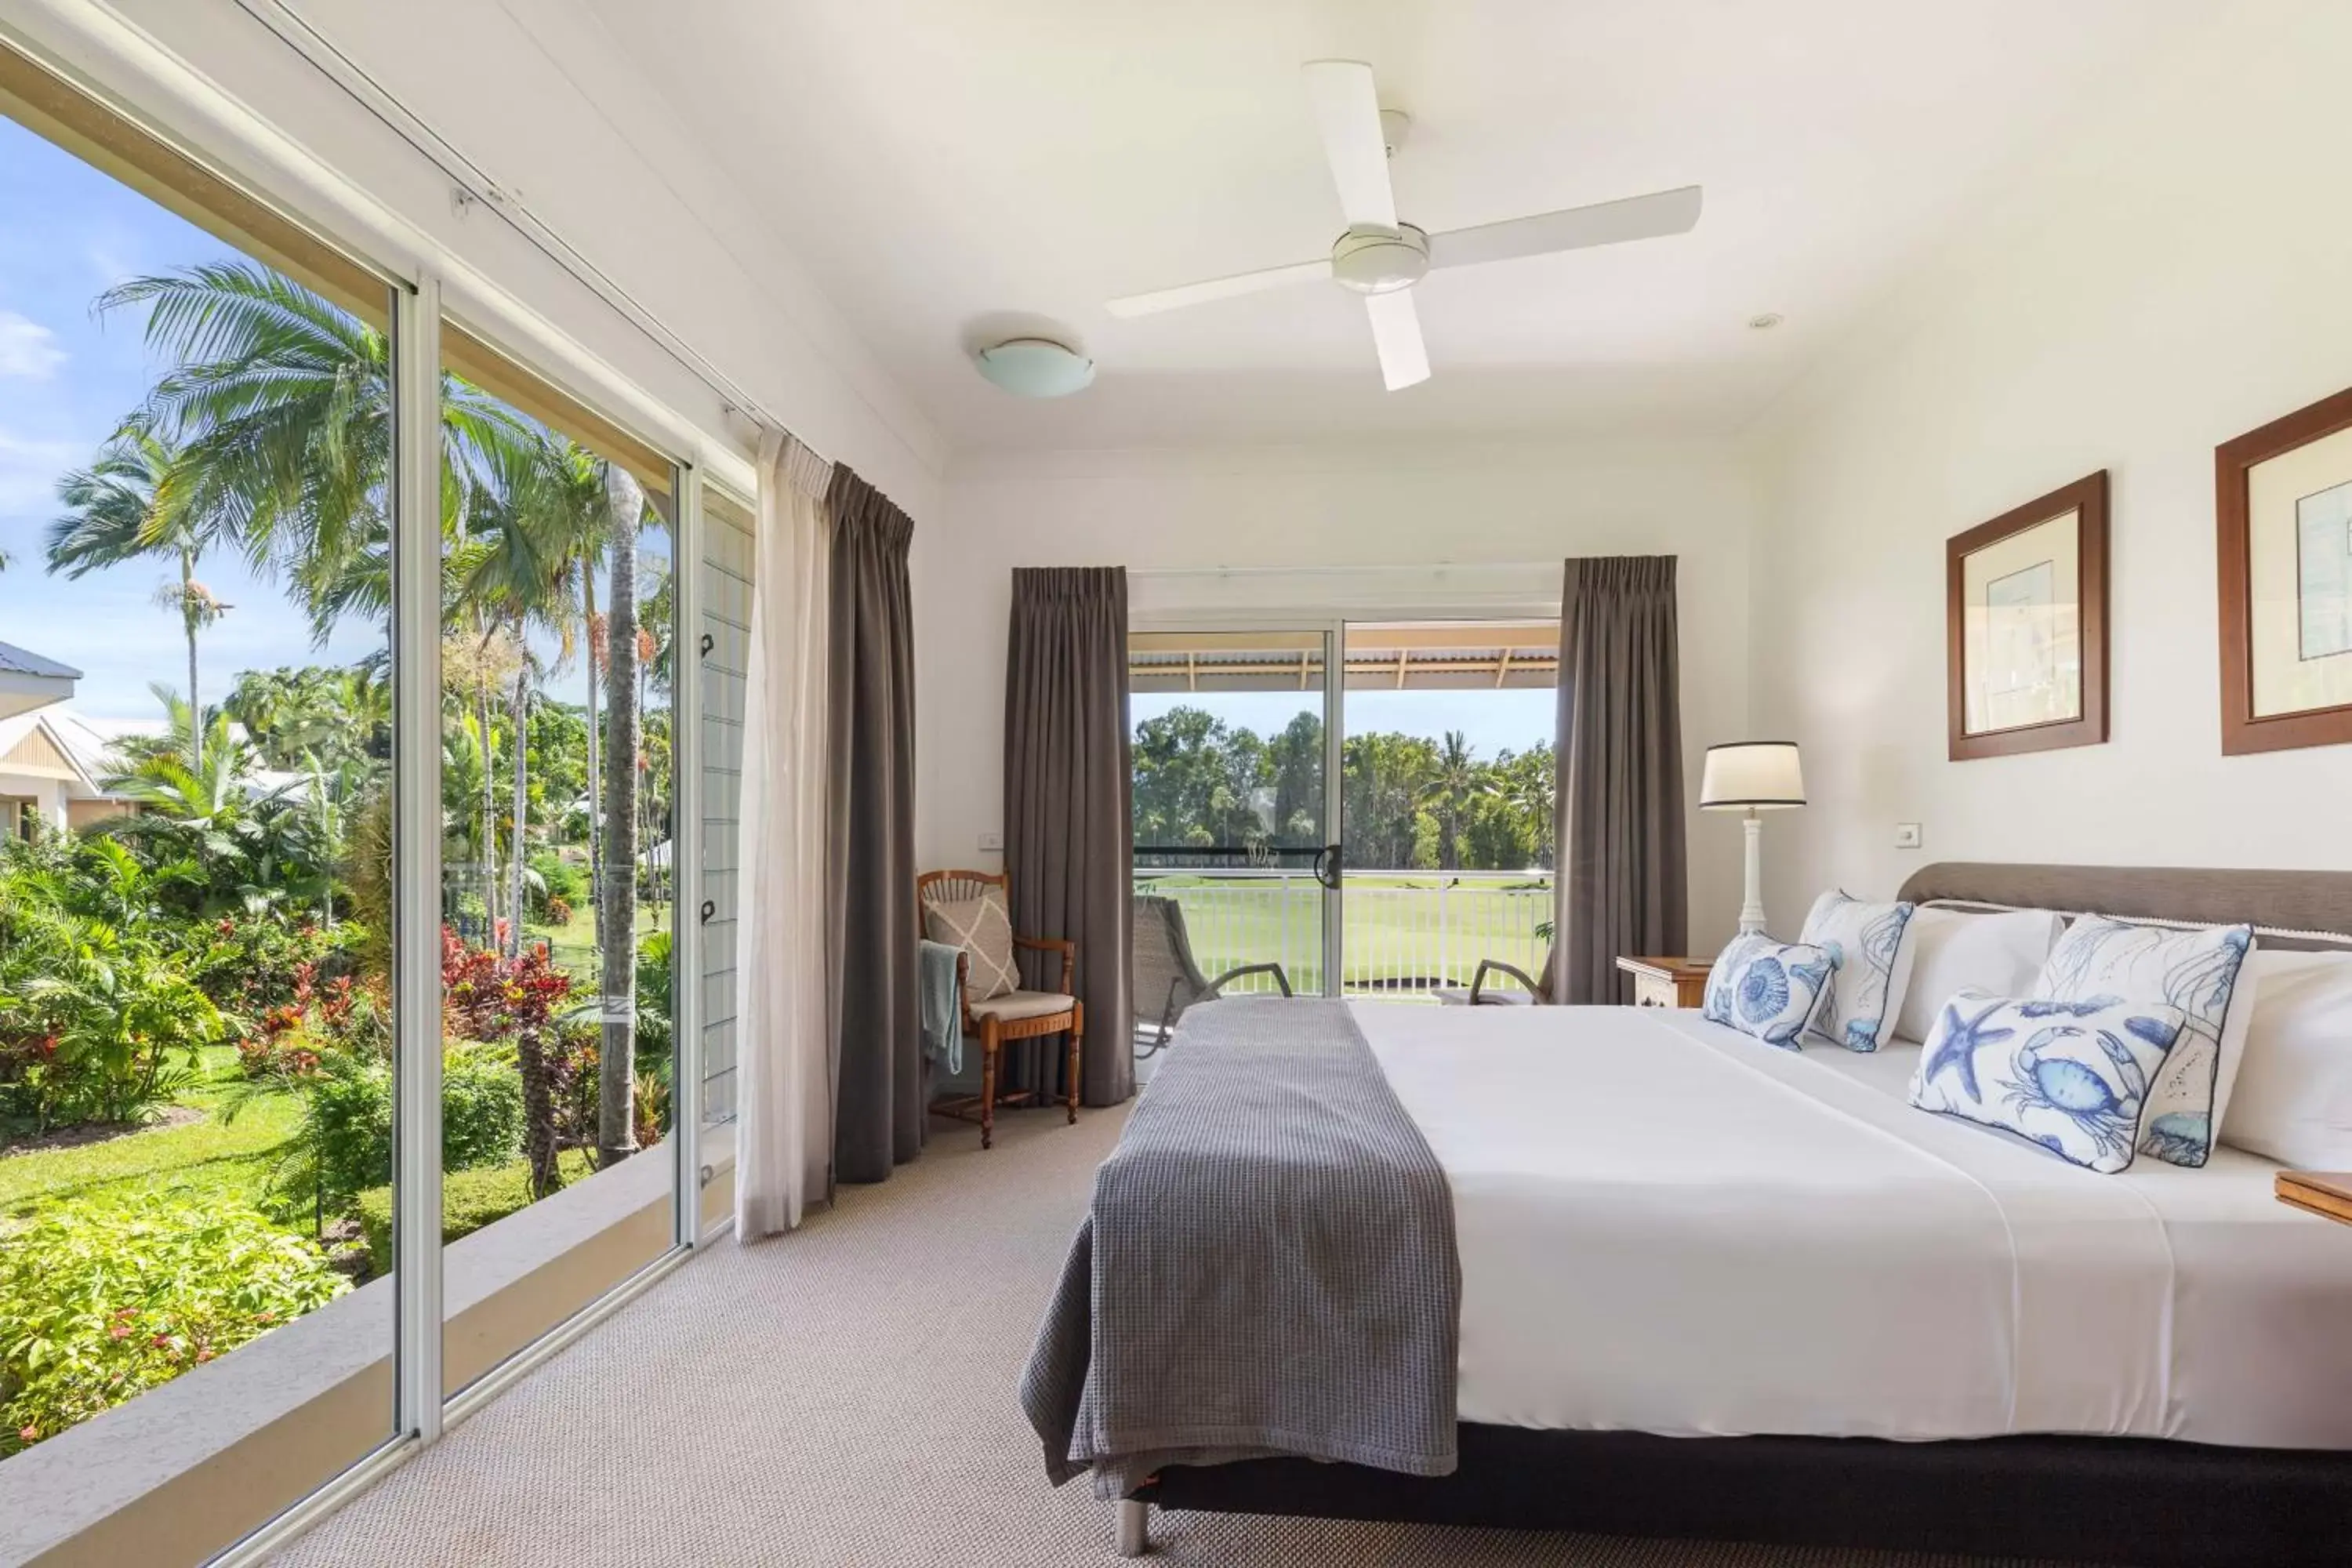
(16, 661)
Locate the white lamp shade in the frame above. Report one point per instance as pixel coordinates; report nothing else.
(1759, 775)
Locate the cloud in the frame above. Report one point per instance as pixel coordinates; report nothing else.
(29, 470)
(27, 349)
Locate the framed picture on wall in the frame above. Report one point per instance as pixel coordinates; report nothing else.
(2283, 504)
(2026, 623)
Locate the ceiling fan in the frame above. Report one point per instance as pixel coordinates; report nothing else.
(1380, 258)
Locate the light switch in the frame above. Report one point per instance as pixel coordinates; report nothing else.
(992, 843)
(1906, 836)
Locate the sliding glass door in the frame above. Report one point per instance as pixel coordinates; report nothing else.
(350, 998)
(1447, 796)
(1235, 858)
(1377, 833)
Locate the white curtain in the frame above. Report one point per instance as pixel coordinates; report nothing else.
(783, 1135)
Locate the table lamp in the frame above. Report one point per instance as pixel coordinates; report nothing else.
(1752, 776)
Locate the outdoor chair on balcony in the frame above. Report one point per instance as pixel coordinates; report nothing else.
(1479, 993)
(974, 911)
(1166, 976)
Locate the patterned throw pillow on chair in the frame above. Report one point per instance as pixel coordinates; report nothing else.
(980, 927)
(2077, 1077)
(1766, 988)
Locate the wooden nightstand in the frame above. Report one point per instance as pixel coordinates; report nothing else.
(1667, 981)
(2327, 1194)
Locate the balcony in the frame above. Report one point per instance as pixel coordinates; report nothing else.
(1403, 934)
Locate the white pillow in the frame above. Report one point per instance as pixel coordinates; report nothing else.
(2200, 970)
(1955, 950)
(1865, 941)
(2292, 1102)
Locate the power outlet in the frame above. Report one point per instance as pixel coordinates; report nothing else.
(992, 843)
(1906, 836)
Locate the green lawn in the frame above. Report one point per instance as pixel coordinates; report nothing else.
(572, 944)
(210, 1161)
(1397, 932)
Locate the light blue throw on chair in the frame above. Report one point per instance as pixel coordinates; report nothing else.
(942, 1005)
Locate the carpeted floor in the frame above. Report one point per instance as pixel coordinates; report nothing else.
(845, 1394)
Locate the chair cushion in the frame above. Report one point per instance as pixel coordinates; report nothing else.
(1015, 1006)
(980, 927)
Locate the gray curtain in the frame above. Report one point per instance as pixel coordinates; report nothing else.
(1069, 833)
(876, 1027)
(1623, 882)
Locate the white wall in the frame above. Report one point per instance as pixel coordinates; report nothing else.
(541, 100)
(1367, 506)
(2179, 273)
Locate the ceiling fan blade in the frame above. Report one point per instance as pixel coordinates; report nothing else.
(1221, 288)
(1348, 112)
(1604, 223)
(1396, 333)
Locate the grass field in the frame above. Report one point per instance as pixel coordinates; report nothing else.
(208, 1160)
(1401, 931)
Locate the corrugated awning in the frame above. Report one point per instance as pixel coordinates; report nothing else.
(1455, 655)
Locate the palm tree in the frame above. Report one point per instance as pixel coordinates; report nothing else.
(616, 897)
(1449, 788)
(283, 405)
(541, 512)
(138, 500)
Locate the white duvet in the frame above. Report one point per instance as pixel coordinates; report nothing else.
(1667, 1226)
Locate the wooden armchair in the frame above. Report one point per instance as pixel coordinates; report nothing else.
(1019, 1014)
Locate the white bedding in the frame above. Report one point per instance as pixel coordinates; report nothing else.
(1667, 1226)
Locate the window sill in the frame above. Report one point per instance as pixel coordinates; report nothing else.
(184, 1470)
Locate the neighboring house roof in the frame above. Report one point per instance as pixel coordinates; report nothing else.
(23, 661)
(36, 744)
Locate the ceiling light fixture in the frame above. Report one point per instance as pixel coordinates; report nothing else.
(1765, 322)
(1035, 367)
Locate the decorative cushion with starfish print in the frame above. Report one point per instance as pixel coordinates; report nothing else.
(2074, 1076)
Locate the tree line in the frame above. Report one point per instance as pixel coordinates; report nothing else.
(270, 436)
(1411, 803)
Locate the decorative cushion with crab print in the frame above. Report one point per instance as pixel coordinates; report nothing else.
(2075, 1076)
(2202, 971)
(1766, 988)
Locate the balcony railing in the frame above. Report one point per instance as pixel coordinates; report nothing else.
(1403, 933)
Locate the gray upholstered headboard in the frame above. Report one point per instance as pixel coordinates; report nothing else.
(2292, 909)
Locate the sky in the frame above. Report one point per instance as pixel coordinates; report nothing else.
(1492, 722)
(67, 378)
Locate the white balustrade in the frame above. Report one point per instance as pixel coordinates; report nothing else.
(1405, 932)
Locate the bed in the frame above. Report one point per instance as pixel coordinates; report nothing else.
(1711, 1289)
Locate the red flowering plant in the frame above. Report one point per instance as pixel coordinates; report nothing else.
(519, 1001)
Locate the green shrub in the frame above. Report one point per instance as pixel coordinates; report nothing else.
(98, 1303)
(344, 1146)
(469, 1200)
(481, 1107)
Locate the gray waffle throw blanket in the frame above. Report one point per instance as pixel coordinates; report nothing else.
(1268, 1266)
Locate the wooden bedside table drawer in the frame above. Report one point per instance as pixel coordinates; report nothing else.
(1667, 981)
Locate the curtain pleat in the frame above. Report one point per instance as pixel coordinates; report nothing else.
(876, 1030)
(1070, 827)
(783, 1132)
(1623, 878)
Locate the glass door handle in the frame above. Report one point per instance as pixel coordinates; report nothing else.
(1327, 866)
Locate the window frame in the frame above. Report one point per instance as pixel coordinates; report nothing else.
(423, 284)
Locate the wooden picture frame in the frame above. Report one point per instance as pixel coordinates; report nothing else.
(2076, 656)
(2249, 631)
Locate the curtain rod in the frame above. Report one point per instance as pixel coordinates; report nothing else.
(473, 181)
(1416, 568)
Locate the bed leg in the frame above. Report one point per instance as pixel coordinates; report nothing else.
(1134, 1527)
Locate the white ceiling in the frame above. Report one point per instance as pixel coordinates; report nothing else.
(953, 171)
